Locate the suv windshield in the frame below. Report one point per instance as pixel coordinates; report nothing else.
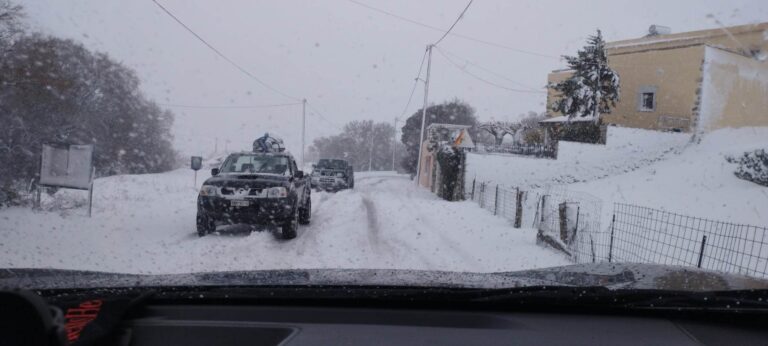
(331, 164)
(249, 163)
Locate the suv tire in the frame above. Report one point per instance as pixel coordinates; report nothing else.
(305, 213)
(205, 225)
(290, 228)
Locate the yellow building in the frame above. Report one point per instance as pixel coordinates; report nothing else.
(692, 81)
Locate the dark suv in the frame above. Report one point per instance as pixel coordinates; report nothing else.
(255, 188)
(332, 175)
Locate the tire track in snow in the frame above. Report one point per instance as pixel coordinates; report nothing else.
(411, 201)
(373, 224)
(386, 244)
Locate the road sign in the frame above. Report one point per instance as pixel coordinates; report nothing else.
(69, 166)
(197, 163)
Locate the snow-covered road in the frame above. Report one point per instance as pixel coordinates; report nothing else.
(145, 224)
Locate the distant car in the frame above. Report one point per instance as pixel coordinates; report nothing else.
(260, 188)
(332, 175)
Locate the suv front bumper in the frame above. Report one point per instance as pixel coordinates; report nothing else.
(329, 183)
(259, 211)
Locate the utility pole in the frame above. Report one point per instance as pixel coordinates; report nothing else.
(394, 145)
(370, 153)
(424, 113)
(303, 130)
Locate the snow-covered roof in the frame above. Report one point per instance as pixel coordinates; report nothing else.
(564, 119)
(684, 38)
(448, 126)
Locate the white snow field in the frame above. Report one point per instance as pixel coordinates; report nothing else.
(625, 150)
(146, 224)
(696, 182)
(647, 168)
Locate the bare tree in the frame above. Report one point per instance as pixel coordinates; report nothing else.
(531, 129)
(360, 142)
(10, 23)
(499, 129)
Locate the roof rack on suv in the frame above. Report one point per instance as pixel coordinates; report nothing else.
(268, 144)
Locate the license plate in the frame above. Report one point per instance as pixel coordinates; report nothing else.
(240, 203)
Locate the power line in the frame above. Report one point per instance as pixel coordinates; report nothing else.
(460, 68)
(227, 107)
(454, 23)
(321, 116)
(465, 37)
(220, 54)
(415, 84)
(488, 70)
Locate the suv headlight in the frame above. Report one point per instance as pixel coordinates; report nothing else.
(340, 175)
(277, 192)
(209, 190)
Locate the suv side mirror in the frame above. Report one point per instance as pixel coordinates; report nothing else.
(299, 174)
(215, 171)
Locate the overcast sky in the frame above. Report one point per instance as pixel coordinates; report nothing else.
(349, 61)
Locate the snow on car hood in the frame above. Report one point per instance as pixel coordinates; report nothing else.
(610, 275)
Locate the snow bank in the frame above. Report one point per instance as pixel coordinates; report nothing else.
(646, 168)
(697, 182)
(626, 150)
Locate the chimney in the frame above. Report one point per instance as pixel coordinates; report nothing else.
(655, 30)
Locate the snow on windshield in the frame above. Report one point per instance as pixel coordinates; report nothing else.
(452, 136)
(256, 164)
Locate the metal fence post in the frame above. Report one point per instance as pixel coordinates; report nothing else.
(473, 189)
(543, 206)
(610, 247)
(563, 217)
(572, 238)
(90, 200)
(496, 201)
(519, 208)
(701, 251)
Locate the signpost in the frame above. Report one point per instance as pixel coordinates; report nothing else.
(196, 163)
(69, 166)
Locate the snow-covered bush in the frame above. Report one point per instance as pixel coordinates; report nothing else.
(752, 166)
(449, 159)
(7, 196)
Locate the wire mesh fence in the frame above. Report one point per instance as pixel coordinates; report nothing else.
(646, 235)
(571, 222)
(541, 151)
(573, 219)
(503, 201)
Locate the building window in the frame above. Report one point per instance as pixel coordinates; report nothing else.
(646, 99)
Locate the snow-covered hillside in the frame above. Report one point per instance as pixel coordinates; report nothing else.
(625, 150)
(647, 168)
(146, 224)
(697, 182)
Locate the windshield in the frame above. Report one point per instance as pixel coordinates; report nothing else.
(255, 164)
(331, 164)
(438, 142)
